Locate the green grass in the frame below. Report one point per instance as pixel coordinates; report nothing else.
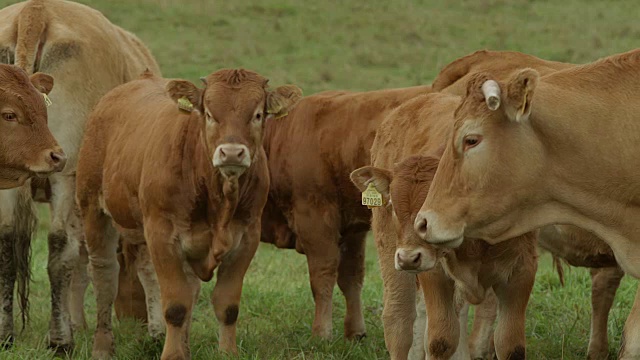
(356, 45)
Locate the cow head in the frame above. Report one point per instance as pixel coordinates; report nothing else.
(406, 188)
(233, 107)
(491, 162)
(27, 147)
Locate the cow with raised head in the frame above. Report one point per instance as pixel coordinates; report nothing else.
(532, 150)
(88, 56)
(181, 170)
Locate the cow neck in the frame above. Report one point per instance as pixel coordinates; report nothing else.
(221, 197)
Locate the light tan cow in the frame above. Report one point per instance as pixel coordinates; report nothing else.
(87, 55)
(181, 170)
(530, 151)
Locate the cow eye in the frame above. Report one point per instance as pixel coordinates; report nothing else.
(471, 141)
(10, 116)
(258, 117)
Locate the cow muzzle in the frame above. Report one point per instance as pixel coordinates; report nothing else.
(414, 260)
(53, 161)
(232, 159)
(428, 227)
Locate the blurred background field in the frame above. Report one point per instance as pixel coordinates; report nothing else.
(353, 45)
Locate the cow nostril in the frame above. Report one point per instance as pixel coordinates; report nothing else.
(416, 259)
(241, 153)
(420, 226)
(222, 153)
(57, 157)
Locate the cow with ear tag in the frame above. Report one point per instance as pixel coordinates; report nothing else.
(180, 169)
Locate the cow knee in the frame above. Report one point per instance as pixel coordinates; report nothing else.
(176, 315)
(517, 354)
(231, 314)
(441, 349)
(57, 242)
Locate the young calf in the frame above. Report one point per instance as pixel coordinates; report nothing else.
(452, 278)
(181, 170)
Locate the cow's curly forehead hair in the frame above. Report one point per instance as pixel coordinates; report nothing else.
(16, 84)
(474, 98)
(237, 77)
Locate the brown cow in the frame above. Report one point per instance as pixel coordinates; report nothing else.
(312, 205)
(469, 271)
(531, 151)
(181, 170)
(88, 56)
(27, 147)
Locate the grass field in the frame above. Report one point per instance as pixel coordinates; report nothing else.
(355, 45)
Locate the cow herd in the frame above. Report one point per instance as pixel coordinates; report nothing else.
(154, 184)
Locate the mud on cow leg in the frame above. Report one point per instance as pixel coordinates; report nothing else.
(17, 225)
(60, 269)
(7, 281)
(79, 283)
(350, 280)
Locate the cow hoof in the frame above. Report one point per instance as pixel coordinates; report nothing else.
(357, 337)
(7, 343)
(102, 345)
(61, 350)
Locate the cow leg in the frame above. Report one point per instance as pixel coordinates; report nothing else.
(64, 239)
(630, 346)
(226, 294)
(462, 350)
(320, 244)
(443, 322)
(513, 297)
(350, 280)
(604, 284)
(149, 281)
(17, 224)
(102, 244)
(79, 283)
(417, 351)
(399, 298)
(177, 286)
(481, 340)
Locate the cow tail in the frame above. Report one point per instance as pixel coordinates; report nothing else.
(25, 226)
(32, 23)
(557, 263)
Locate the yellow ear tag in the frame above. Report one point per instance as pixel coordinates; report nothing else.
(185, 104)
(47, 101)
(371, 197)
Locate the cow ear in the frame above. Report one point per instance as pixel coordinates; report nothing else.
(380, 178)
(186, 94)
(282, 100)
(519, 95)
(42, 82)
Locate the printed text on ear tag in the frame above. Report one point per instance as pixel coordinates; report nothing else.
(47, 101)
(371, 197)
(185, 104)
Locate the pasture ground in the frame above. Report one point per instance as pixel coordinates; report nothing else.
(354, 45)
